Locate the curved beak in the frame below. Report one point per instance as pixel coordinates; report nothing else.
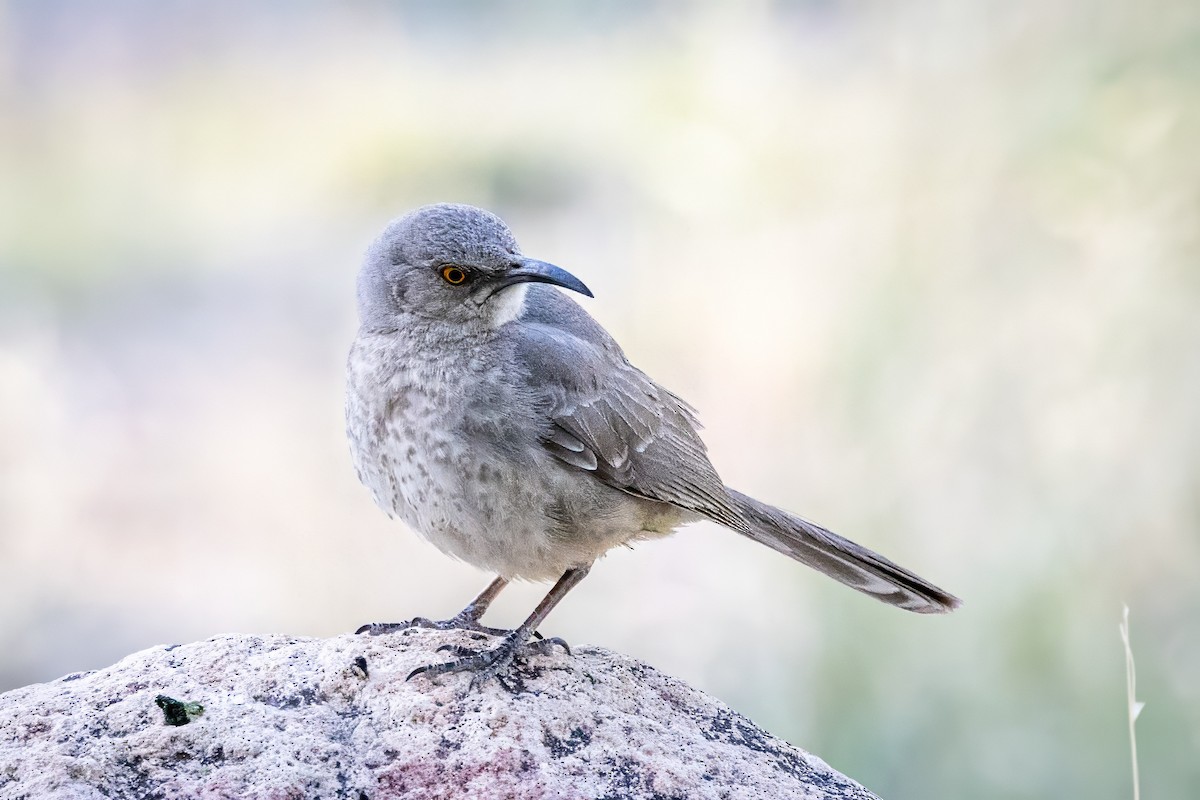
(532, 271)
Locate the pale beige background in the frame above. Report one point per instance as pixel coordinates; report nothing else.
(928, 270)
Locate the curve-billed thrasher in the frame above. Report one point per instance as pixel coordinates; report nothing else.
(488, 411)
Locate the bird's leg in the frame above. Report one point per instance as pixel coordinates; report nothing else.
(491, 663)
(467, 619)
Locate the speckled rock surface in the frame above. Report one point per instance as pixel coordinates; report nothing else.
(334, 718)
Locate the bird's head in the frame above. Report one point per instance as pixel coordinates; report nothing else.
(454, 263)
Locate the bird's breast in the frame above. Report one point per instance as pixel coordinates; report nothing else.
(444, 446)
(455, 451)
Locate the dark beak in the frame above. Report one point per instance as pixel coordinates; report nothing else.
(532, 271)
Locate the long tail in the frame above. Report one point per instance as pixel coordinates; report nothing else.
(840, 559)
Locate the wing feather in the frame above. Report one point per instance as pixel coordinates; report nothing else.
(608, 418)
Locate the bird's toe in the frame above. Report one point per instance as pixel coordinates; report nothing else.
(546, 646)
(459, 623)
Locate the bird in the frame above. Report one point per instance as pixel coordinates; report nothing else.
(488, 411)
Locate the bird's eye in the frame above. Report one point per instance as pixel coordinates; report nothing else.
(454, 275)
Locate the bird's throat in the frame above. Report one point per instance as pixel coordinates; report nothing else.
(507, 304)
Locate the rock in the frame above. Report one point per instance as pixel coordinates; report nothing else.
(283, 717)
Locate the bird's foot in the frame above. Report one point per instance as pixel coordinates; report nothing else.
(488, 664)
(461, 622)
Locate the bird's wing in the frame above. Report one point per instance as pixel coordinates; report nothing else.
(608, 418)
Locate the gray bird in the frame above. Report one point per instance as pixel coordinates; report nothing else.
(493, 415)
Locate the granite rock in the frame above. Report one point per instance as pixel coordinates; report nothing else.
(284, 717)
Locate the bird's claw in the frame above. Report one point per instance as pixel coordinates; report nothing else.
(546, 646)
(487, 664)
(456, 649)
(460, 622)
(484, 664)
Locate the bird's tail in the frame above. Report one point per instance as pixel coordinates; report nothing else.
(840, 559)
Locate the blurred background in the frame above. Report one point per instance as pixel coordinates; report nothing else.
(930, 272)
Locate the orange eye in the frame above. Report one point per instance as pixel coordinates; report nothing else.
(454, 275)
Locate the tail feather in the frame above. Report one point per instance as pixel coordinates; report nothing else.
(840, 558)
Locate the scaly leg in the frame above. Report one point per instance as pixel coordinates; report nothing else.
(467, 619)
(488, 664)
